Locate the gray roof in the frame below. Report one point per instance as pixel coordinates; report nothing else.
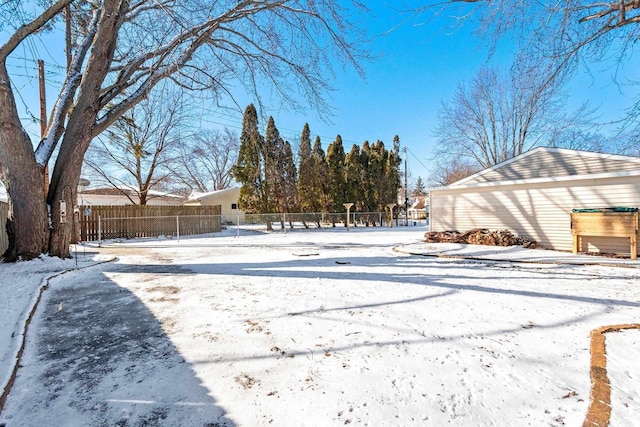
(200, 196)
(543, 162)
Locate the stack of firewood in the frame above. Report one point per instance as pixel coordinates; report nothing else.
(480, 236)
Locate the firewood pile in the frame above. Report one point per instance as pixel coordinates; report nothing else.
(480, 236)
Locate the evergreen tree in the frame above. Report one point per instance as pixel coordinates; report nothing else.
(419, 188)
(369, 176)
(248, 170)
(392, 173)
(366, 181)
(352, 177)
(319, 172)
(273, 155)
(289, 179)
(305, 176)
(336, 175)
(377, 175)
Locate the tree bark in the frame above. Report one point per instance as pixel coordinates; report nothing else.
(65, 189)
(80, 127)
(23, 180)
(25, 186)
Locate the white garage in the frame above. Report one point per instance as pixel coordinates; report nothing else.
(226, 198)
(534, 194)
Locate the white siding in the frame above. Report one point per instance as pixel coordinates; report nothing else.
(540, 212)
(120, 200)
(226, 198)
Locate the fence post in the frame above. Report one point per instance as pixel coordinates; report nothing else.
(178, 227)
(99, 231)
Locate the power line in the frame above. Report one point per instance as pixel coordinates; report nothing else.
(295, 134)
(417, 159)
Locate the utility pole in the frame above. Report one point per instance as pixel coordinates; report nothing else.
(406, 193)
(43, 119)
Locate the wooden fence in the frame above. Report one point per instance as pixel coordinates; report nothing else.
(134, 221)
(4, 239)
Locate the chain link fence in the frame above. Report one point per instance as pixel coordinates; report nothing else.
(284, 221)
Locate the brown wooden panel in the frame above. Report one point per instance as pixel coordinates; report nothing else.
(614, 224)
(147, 221)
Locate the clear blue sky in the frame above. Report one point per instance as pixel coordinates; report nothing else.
(422, 60)
(419, 63)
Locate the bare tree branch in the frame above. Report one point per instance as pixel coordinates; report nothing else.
(30, 28)
(123, 49)
(203, 161)
(496, 118)
(138, 147)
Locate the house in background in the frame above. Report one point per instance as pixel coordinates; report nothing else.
(534, 194)
(418, 209)
(226, 198)
(111, 196)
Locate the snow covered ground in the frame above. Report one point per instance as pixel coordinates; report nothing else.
(323, 327)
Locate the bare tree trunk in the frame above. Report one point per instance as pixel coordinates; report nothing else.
(64, 184)
(23, 180)
(80, 127)
(29, 213)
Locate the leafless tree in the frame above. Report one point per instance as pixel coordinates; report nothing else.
(448, 171)
(134, 152)
(203, 161)
(119, 50)
(557, 29)
(497, 117)
(563, 34)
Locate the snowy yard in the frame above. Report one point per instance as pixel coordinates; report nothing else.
(318, 328)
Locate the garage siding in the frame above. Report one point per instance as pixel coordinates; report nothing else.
(227, 199)
(539, 211)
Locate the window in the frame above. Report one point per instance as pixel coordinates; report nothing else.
(234, 206)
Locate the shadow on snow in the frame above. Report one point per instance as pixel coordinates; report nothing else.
(98, 356)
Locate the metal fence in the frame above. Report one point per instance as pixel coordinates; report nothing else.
(317, 220)
(127, 222)
(284, 221)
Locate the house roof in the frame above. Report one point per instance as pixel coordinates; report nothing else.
(112, 191)
(4, 197)
(545, 164)
(199, 196)
(419, 202)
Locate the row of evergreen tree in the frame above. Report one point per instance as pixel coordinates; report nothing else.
(368, 176)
